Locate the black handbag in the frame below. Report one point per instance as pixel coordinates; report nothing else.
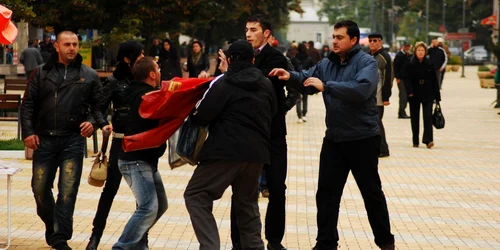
(191, 140)
(437, 117)
(174, 160)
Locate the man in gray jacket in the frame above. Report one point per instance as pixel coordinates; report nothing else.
(348, 79)
(30, 58)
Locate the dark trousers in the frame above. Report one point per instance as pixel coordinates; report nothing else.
(110, 189)
(403, 98)
(336, 160)
(415, 121)
(302, 106)
(384, 148)
(275, 214)
(28, 73)
(65, 153)
(208, 183)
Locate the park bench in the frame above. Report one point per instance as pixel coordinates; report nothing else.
(11, 102)
(18, 84)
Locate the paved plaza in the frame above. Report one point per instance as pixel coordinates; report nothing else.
(447, 197)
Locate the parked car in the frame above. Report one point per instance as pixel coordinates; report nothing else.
(475, 55)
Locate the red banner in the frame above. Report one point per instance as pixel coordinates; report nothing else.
(491, 20)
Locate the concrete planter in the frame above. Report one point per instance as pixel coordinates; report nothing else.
(455, 68)
(487, 83)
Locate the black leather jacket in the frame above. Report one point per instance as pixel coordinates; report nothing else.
(115, 91)
(59, 98)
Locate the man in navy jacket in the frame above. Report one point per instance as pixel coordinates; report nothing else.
(348, 79)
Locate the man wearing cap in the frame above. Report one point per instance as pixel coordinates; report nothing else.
(238, 109)
(438, 58)
(55, 124)
(447, 54)
(401, 59)
(384, 65)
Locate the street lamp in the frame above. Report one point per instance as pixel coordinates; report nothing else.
(444, 16)
(463, 37)
(427, 21)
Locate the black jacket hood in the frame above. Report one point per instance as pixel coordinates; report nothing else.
(244, 75)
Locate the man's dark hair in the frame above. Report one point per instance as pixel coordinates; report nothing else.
(31, 42)
(143, 67)
(352, 28)
(263, 20)
(311, 43)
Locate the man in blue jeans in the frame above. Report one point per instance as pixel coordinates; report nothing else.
(55, 114)
(140, 168)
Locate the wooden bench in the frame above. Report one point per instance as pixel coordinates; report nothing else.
(14, 84)
(10, 102)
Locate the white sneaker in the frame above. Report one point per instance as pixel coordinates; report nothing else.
(300, 120)
(304, 119)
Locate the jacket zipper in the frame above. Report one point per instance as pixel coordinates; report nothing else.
(55, 100)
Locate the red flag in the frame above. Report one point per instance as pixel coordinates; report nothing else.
(171, 105)
(8, 31)
(491, 20)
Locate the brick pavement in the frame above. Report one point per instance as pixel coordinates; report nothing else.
(442, 198)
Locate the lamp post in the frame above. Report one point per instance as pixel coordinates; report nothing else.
(372, 16)
(393, 36)
(444, 16)
(463, 37)
(427, 21)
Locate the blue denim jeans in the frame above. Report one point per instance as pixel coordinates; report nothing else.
(151, 203)
(65, 153)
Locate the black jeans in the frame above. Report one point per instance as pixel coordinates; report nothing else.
(403, 98)
(415, 121)
(275, 214)
(65, 153)
(302, 106)
(110, 189)
(384, 148)
(208, 183)
(336, 160)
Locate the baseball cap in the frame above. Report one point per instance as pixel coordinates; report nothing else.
(375, 35)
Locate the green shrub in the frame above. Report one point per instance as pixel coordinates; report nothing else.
(482, 68)
(12, 144)
(489, 77)
(455, 60)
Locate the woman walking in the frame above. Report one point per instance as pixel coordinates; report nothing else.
(422, 87)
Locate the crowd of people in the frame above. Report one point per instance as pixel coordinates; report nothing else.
(246, 148)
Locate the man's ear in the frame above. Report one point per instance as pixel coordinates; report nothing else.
(127, 60)
(354, 40)
(253, 60)
(228, 60)
(267, 33)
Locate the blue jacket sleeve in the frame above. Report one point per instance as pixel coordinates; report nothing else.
(360, 88)
(297, 79)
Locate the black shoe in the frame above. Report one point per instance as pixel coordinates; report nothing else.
(415, 145)
(276, 246)
(383, 155)
(388, 247)
(61, 246)
(403, 116)
(93, 243)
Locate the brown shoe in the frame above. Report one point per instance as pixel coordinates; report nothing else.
(430, 144)
(265, 193)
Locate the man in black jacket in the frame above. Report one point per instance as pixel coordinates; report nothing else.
(438, 58)
(55, 114)
(402, 58)
(238, 108)
(140, 168)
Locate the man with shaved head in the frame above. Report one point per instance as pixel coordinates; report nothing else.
(61, 96)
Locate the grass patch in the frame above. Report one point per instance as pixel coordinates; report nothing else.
(12, 144)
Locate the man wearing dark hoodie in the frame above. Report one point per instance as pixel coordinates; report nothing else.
(238, 108)
(140, 168)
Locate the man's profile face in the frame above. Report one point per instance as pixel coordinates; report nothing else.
(255, 35)
(67, 47)
(342, 43)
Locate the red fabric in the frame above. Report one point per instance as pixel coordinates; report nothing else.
(8, 31)
(491, 20)
(171, 107)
